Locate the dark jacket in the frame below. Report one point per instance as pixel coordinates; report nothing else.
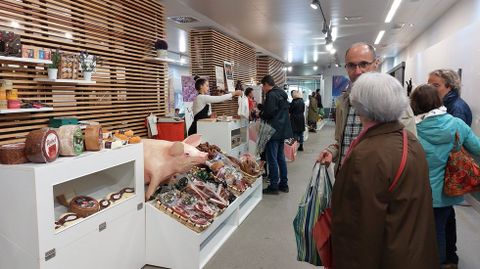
(297, 115)
(457, 107)
(275, 113)
(319, 100)
(372, 227)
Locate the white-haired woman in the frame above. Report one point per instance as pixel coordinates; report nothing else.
(380, 222)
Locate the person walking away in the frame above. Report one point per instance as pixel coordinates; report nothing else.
(297, 117)
(312, 115)
(275, 113)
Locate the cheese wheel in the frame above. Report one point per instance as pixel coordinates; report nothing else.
(13, 154)
(93, 137)
(71, 140)
(42, 146)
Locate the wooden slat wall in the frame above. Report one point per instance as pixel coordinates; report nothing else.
(121, 32)
(210, 48)
(267, 65)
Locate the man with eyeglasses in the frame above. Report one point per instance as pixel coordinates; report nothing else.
(359, 58)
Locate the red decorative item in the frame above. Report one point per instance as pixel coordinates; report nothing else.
(462, 173)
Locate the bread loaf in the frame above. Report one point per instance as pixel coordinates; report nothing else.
(42, 146)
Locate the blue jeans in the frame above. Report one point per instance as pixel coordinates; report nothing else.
(276, 161)
(298, 136)
(441, 216)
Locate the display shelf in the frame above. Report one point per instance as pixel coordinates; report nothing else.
(166, 237)
(24, 60)
(28, 238)
(223, 134)
(25, 110)
(64, 81)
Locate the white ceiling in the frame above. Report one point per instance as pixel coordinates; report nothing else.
(275, 27)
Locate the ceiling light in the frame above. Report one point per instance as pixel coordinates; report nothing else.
(15, 24)
(290, 56)
(315, 55)
(329, 46)
(334, 33)
(68, 35)
(379, 37)
(284, 69)
(353, 18)
(314, 4)
(315, 68)
(337, 65)
(392, 10)
(333, 50)
(182, 41)
(289, 69)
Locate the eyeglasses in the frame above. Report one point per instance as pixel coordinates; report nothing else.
(361, 65)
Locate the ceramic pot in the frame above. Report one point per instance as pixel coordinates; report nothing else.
(52, 73)
(87, 76)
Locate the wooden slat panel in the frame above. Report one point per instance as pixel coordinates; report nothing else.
(121, 32)
(210, 48)
(267, 65)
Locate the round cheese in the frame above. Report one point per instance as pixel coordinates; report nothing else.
(93, 137)
(71, 140)
(42, 146)
(13, 154)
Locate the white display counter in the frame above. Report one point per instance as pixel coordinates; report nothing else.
(171, 244)
(230, 136)
(111, 238)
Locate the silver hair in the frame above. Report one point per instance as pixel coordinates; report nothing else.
(378, 97)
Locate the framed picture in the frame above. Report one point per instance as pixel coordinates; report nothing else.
(227, 66)
(219, 77)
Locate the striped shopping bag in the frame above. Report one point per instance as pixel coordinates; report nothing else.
(314, 201)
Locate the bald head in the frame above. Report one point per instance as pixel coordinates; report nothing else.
(360, 58)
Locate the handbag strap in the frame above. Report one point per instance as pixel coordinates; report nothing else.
(402, 162)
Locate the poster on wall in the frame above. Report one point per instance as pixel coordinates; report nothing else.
(219, 77)
(188, 89)
(257, 93)
(227, 66)
(339, 85)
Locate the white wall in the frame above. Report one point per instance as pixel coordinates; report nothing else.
(451, 42)
(175, 73)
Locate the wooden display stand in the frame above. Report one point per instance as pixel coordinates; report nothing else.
(111, 238)
(171, 244)
(230, 136)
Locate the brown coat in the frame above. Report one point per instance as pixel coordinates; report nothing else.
(376, 229)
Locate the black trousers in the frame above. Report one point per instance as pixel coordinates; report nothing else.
(451, 239)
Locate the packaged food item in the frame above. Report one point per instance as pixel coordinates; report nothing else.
(71, 140)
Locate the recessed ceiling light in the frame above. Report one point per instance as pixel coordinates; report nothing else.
(353, 18)
(411, 24)
(315, 68)
(379, 37)
(333, 50)
(392, 11)
(289, 69)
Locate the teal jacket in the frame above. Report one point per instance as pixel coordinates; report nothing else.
(437, 136)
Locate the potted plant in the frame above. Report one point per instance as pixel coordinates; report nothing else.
(161, 46)
(88, 64)
(56, 57)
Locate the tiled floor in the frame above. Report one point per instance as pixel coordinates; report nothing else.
(265, 240)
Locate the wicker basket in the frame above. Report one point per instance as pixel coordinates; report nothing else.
(250, 178)
(84, 212)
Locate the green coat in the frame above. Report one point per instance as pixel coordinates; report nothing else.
(313, 110)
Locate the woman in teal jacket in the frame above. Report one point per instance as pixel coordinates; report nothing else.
(436, 131)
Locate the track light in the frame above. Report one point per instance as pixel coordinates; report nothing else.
(314, 4)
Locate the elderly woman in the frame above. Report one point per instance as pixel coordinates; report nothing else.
(380, 222)
(297, 117)
(436, 131)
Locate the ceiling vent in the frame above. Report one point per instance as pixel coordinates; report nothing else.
(398, 26)
(183, 19)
